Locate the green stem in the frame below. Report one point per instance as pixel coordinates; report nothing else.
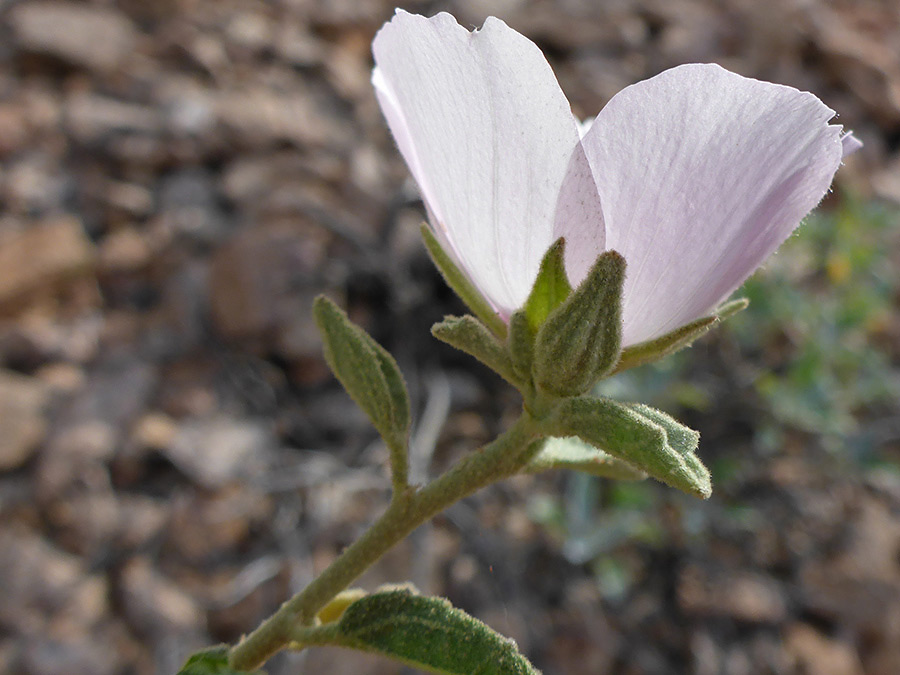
(503, 457)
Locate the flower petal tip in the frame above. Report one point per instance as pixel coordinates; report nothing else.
(849, 144)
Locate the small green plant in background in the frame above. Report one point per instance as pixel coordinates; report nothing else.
(818, 330)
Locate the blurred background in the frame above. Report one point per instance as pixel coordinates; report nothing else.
(179, 179)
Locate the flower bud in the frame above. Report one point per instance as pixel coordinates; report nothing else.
(581, 339)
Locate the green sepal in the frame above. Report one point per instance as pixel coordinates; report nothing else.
(581, 340)
(213, 661)
(648, 439)
(461, 285)
(428, 633)
(653, 350)
(468, 334)
(732, 307)
(551, 287)
(371, 377)
(574, 454)
(520, 343)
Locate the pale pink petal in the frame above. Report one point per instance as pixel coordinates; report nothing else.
(850, 144)
(490, 139)
(702, 174)
(579, 217)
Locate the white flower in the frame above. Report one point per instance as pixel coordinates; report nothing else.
(695, 176)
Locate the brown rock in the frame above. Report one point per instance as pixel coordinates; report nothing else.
(155, 605)
(260, 289)
(813, 652)
(133, 200)
(90, 117)
(124, 250)
(44, 586)
(870, 65)
(66, 657)
(887, 181)
(41, 259)
(865, 605)
(64, 378)
(219, 450)
(859, 586)
(874, 545)
(250, 31)
(83, 35)
(348, 68)
(14, 129)
(95, 523)
(295, 45)
(90, 428)
(35, 184)
(154, 431)
(742, 595)
(205, 526)
(22, 403)
(259, 117)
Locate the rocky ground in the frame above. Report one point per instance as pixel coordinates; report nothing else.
(178, 180)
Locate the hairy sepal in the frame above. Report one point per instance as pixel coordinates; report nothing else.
(680, 338)
(551, 287)
(469, 335)
(461, 285)
(580, 341)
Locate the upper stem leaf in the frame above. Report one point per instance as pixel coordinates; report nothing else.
(371, 377)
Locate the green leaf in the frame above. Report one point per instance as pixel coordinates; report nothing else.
(429, 633)
(574, 454)
(681, 438)
(212, 661)
(550, 288)
(581, 340)
(648, 439)
(461, 285)
(468, 334)
(520, 343)
(371, 377)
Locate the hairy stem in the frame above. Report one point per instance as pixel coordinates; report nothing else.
(503, 457)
